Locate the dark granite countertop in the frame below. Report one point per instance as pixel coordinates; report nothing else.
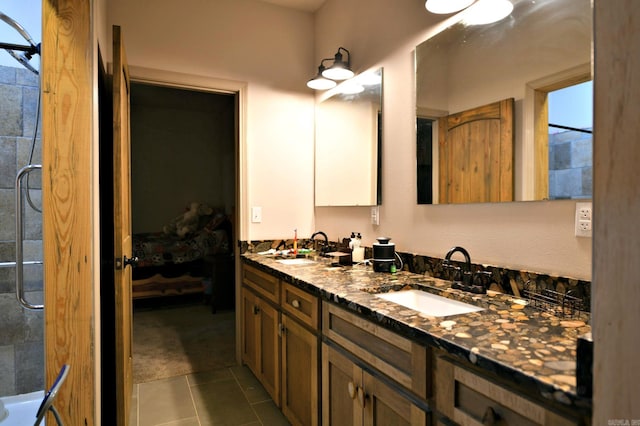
(533, 350)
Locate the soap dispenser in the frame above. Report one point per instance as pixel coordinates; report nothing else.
(357, 254)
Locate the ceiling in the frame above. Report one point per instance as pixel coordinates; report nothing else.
(304, 5)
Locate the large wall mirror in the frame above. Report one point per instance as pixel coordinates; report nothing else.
(504, 110)
(348, 140)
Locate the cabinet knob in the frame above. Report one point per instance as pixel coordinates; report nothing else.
(281, 329)
(490, 417)
(295, 303)
(351, 387)
(256, 310)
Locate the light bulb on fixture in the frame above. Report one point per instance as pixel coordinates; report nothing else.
(446, 6)
(319, 82)
(340, 70)
(487, 12)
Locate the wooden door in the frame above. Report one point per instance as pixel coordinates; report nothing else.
(299, 373)
(341, 379)
(384, 405)
(122, 229)
(476, 154)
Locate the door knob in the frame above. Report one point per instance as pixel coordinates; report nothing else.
(126, 261)
(133, 261)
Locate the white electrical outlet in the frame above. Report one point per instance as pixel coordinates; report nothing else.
(375, 215)
(256, 214)
(584, 219)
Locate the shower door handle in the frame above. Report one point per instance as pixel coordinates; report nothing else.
(19, 240)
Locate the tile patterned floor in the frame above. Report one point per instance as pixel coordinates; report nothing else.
(230, 396)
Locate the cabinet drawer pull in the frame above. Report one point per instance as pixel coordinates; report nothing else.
(490, 417)
(295, 303)
(352, 390)
(362, 397)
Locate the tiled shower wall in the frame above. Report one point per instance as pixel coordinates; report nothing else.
(570, 165)
(21, 330)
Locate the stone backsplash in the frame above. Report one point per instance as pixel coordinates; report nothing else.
(504, 280)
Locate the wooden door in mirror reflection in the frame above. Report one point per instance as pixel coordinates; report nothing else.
(476, 154)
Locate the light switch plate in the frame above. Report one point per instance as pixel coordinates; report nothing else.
(256, 214)
(375, 215)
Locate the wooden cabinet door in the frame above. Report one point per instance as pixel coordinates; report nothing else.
(299, 373)
(249, 330)
(269, 349)
(384, 405)
(476, 154)
(341, 379)
(260, 344)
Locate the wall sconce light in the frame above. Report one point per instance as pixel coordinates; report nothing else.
(447, 6)
(487, 12)
(339, 70)
(319, 82)
(479, 12)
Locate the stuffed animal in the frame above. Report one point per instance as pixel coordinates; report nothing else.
(188, 222)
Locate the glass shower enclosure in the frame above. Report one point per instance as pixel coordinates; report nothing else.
(21, 329)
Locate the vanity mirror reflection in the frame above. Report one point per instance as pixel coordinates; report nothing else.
(348, 140)
(528, 59)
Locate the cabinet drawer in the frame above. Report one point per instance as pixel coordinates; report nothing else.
(404, 361)
(300, 304)
(263, 283)
(470, 399)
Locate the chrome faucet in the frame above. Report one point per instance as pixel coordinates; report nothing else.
(325, 248)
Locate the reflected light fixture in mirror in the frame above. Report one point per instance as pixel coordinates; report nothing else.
(487, 12)
(447, 6)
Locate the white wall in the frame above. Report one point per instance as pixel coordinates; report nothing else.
(271, 49)
(536, 236)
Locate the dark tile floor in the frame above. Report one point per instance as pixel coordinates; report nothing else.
(230, 396)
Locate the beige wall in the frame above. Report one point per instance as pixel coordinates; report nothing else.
(244, 40)
(271, 49)
(537, 236)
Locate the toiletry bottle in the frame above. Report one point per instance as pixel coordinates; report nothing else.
(295, 242)
(358, 251)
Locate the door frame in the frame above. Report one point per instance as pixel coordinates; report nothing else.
(214, 85)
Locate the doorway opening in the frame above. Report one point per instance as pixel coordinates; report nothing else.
(183, 150)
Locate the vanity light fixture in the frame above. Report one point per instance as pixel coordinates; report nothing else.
(446, 6)
(339, 70)
(487, 12)
(319, 82)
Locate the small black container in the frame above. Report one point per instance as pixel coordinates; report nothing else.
(384, 254)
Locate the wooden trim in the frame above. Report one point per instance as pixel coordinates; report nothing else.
(67, 73)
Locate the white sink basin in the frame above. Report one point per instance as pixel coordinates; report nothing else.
(296, 261)
(428, 303)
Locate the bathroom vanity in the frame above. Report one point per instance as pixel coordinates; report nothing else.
(331, 349)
